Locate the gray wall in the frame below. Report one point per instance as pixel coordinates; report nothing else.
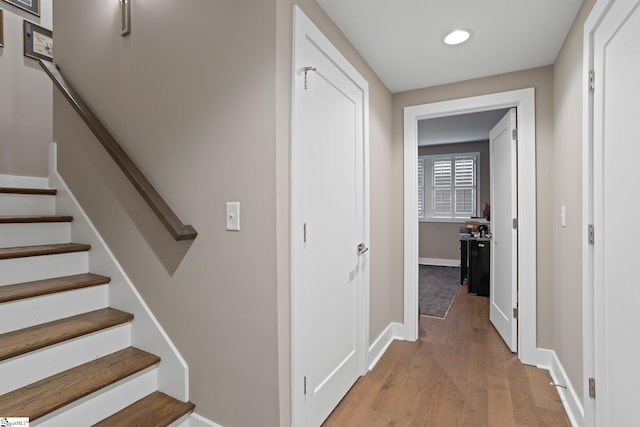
(566, 170)
(440, 239)
(559, 183)
(225, 299)
(542, 80)
(26, 125)
(190, 95)
(178, 94)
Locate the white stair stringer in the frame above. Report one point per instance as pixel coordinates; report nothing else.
(28, 269)
(147, 334)
(28, 368)
(103, 403)
(32, 234)
(28, 312)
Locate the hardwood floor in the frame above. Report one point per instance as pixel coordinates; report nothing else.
(459, 373)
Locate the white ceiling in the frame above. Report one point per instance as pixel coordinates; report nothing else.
(461, 128)
(402, 39)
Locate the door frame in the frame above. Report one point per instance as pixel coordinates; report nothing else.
(524, 101)
(590, 294)
(304, 28)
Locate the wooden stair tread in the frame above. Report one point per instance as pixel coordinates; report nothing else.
(22, 190)
(28, 251)
(156, 409)
(50, 286)
(24, 219)
(33, 338)
(52, 393)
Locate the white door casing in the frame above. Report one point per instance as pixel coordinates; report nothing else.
(610, 173)
(524, 101)
(504, 243)
(329, 220)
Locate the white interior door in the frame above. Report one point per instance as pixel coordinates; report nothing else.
(329, 222)
(504, 243)
(616, 176)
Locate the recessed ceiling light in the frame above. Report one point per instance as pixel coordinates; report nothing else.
(457, 37)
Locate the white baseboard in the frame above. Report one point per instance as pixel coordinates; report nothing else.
(442, 262)
(196, 420)
(384, 340)
(570, 401)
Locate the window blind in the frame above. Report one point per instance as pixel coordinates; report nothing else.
(447, 186)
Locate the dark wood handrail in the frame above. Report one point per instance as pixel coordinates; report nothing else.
(178, 230)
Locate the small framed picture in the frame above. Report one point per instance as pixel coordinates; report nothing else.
(38, 41)
(31, 6)
(1, 29)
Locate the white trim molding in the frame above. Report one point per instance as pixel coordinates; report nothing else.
(524, 101)
(196, 420)
(384, 340)
(568, 397)
(593, 21)
(441, 262)
(173, 372)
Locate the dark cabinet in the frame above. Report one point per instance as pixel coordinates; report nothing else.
(464, 262)
(479, 271)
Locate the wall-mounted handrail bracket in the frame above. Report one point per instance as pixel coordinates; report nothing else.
(169, 219)
(306, 70)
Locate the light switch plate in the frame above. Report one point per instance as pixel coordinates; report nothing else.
(233, 216)
(563, 216)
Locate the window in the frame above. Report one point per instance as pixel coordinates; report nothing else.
(448, 186)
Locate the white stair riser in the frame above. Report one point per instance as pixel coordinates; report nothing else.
(24, 181)
(47, 308)
(27, 269)
(34, 234)
(98, 406)
(31, 367)
(27, 204)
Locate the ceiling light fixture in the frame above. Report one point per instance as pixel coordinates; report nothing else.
(457, 37)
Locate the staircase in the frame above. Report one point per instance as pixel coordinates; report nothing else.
(66, 357)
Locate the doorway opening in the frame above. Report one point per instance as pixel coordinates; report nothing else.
(524, 101)
(454, 177)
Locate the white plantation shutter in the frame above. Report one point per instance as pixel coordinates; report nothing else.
(465, 199)
(421, 185)
(442, 173)
(441, 201)
(465, 171)
(465, 174)
(447, 186)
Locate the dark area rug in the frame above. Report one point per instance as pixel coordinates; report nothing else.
(438, 287)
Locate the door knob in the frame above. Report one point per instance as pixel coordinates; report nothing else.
(362, 249)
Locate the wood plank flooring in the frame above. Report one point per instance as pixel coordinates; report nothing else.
(459, 373)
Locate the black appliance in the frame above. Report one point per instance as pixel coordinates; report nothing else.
(478, 274)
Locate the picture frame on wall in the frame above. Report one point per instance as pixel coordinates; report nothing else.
(38, 41)
(31, 6)
(1, 29)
